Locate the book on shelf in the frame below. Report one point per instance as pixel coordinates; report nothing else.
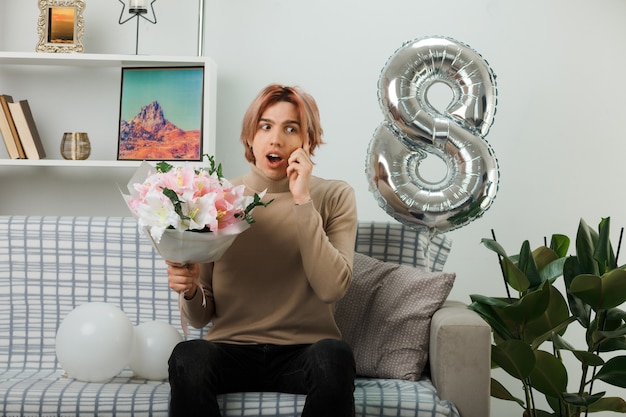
(8, 129)
(27, 129)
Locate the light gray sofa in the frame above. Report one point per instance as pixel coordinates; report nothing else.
(51, 265)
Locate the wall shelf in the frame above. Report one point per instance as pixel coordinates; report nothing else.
(97, 60)
(81, 92)
(67, 163)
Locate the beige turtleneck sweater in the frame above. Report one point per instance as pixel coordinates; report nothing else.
(279, 280)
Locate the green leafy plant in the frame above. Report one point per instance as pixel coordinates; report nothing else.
(529, 326)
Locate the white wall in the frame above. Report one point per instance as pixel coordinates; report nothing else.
(558, 133)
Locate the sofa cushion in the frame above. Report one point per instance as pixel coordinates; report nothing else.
(50, 394)
(385, 316)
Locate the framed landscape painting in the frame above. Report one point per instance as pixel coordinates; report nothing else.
(161, 114)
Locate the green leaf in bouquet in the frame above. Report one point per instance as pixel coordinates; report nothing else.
(164, 167)
(256, 202)
(214, 168)
(178, 208)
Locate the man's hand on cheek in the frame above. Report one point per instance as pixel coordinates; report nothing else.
(299, 172)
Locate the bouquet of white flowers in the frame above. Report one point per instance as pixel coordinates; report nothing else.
(191, 214)
(171, 201)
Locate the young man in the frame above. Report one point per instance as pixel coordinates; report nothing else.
(271, 297)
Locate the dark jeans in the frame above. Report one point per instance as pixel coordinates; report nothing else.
(324, 371)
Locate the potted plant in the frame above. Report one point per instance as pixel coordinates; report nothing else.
(529, 327)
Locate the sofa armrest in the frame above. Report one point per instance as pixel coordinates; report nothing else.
(460, 358)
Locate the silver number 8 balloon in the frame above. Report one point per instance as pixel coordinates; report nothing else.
(414, 130)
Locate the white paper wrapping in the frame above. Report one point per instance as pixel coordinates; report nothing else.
(196, 247)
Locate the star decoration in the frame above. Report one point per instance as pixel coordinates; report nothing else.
(133, 14)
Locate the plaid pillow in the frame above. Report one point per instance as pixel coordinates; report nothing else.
(401, 244)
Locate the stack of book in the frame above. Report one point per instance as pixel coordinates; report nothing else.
(18, 129)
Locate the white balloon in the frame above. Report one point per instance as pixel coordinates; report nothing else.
(94, 342)
(154, 342)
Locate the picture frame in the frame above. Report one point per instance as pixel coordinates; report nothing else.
(161, 114)
(60, 26)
